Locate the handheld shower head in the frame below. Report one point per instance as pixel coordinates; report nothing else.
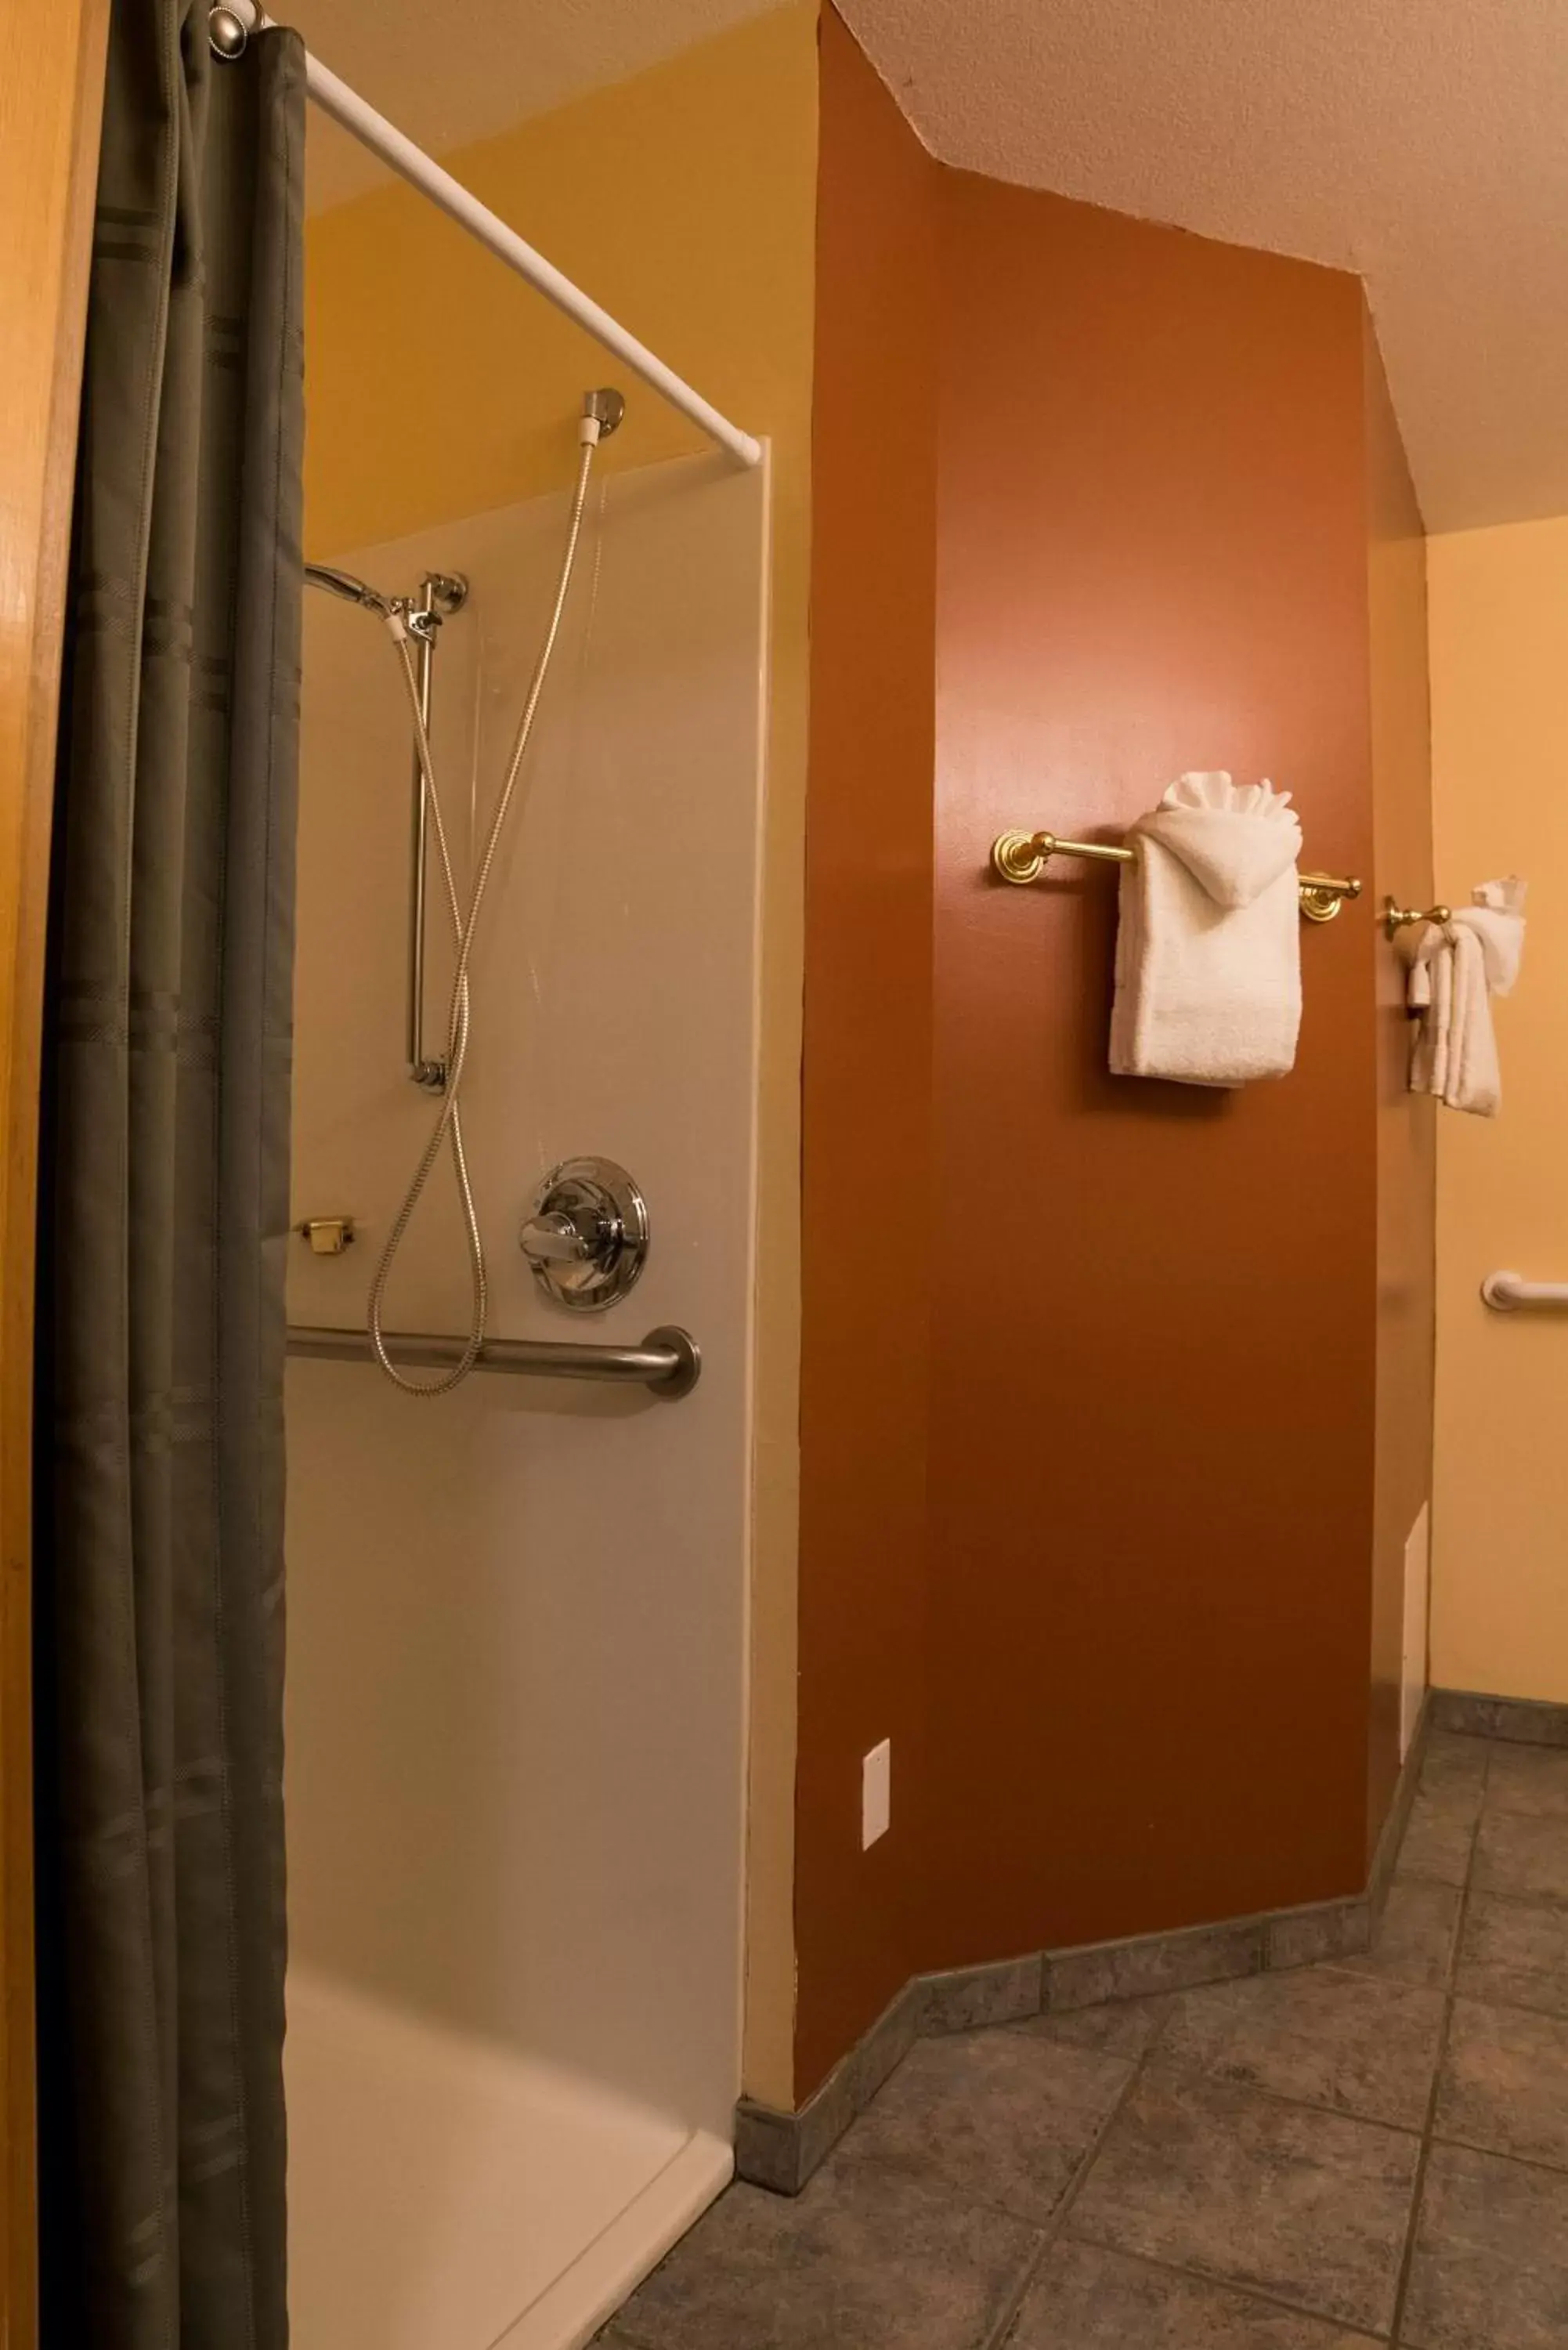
(352, 590)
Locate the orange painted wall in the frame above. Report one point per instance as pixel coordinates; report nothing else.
(1151, 1451)
(866, 1206)
(1095, 1509)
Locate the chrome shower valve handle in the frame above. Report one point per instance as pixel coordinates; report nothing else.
(586, 1238)
(557, 1240)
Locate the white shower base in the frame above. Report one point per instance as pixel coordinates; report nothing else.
(447, 2194)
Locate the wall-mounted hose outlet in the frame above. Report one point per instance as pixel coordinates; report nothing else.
(602, 413)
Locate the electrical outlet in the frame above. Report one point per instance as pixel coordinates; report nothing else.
(875, 1792)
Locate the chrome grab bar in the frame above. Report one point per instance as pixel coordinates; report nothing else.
(1506, 1293)
(667, 1362)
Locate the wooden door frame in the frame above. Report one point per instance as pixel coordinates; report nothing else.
(51, 98)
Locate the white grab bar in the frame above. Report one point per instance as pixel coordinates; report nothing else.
(1508, 1293)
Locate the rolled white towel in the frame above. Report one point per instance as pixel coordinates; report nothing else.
(1209, 985)
(1457, 967)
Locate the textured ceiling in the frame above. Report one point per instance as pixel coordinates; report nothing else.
(448, 72)
(1422, 142)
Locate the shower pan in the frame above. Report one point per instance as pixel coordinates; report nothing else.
(517, 1613)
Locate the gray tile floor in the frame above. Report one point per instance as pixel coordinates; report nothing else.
(1372, 2151)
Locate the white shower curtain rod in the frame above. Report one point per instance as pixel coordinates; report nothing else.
(384, 138)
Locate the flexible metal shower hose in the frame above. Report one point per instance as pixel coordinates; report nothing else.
(448, 1126)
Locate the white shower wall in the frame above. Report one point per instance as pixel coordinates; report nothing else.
(517, 1614)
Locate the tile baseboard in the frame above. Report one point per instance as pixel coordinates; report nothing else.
(781, 2151)
(1523, 1720)
(1391, 1835)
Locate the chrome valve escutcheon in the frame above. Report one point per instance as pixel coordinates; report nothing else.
(587, 1237)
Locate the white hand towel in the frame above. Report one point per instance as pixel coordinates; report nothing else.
(1208, 980)
(1457, 967)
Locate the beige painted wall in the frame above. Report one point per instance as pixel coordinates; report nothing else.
(1499, 714)
(684, 200)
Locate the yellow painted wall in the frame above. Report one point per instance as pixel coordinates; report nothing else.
(684, 201)
(1400, 639)
(1498, 602)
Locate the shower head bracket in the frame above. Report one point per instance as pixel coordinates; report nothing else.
(446, 591)
(441, 593)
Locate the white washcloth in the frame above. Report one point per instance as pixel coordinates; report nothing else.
(1208, 977)
(1457, 967)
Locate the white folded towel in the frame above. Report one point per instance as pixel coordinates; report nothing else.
(1457, 967)
(1208, 979)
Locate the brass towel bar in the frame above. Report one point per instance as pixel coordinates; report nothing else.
(1021, 857)
(1398, 918)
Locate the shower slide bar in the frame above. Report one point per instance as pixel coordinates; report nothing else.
(229, 25)
(667, 1362)
(440, 594)
(1507, 1293)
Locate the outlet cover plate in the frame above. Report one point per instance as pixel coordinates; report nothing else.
(875, 1792)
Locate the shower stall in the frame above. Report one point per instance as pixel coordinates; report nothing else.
(517, 1611)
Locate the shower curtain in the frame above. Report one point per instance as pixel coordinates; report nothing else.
(164, 1219)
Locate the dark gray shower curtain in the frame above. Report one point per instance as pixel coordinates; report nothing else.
(164, 1219)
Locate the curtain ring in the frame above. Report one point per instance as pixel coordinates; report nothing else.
(226, 33)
